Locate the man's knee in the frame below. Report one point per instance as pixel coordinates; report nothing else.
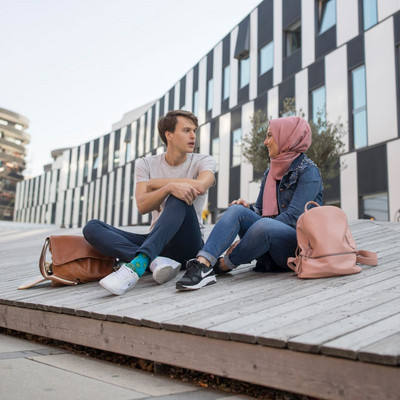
(90, 228)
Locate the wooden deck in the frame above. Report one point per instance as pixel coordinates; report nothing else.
(336, 338)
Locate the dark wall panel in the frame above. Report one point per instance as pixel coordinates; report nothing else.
(234, 183)
(286, 90)
(291, 64)
(325, 42)
(265, 22)
(291, 12)
(372, 170)
(265, 82)
(316, 74)
(355, 52)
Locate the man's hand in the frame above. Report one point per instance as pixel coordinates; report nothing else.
(240, 202)
(183, 191)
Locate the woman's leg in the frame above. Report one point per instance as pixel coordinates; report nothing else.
(235, 221)
(266, 235)
(112, 241)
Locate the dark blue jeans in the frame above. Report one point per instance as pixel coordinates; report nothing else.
(262, 239)
(176, 235)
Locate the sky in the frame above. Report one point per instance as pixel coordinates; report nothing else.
(75, 67)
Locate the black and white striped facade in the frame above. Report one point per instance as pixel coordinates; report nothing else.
(341, 57)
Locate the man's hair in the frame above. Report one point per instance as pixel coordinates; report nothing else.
(169, 120)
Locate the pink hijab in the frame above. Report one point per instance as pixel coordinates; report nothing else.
(293, 137)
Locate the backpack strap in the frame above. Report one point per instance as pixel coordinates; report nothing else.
(367, 257)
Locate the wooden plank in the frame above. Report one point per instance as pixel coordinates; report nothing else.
(248, 326)
(328, 339)
(385, 351)
(308, 374)
(349, 345)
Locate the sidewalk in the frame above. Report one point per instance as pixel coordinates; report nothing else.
(33, 371)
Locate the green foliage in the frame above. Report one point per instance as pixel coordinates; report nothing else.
(325, 150)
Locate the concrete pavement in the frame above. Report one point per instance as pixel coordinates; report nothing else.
(32, 371)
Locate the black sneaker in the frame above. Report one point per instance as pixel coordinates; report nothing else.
(197, 275)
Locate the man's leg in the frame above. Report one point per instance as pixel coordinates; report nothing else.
(111, 241)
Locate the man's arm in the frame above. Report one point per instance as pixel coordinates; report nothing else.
(149, 195)
(202, 183)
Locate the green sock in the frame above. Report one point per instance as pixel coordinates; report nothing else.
(139, 264)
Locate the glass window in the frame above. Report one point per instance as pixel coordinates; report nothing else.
(128, 150)
(236, 147)
(215, 150)
(227, 82)
(96, 161)
(370, 13)
(266, 57)
(318, 105)
(196, 102)
(209, 94)
(3, 122)
(244, 72)
(359, 107)
(376, 207)
(293, 38)
(326, 15)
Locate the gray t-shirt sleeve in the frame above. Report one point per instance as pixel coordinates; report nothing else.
(207, 163)
(142, 170)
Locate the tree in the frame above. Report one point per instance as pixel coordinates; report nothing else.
(325, 150)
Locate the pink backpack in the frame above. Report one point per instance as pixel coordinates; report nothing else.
(325, 245)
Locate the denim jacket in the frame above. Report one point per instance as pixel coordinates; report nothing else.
(301, 183)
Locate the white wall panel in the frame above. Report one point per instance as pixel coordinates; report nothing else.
(336, 88)
(64, 170)
(234, 68)
(148, 131)
(217, 80)
(103, 198)
(177, 92)
(307, 32)
(127, 182)
(393, 161)
(346, 20)
(68, 208)
(135, 211)
(73, 167)
(141, 138)
(110, 196)
(273, 102)
(100, 163)
(205, 135)
(381, 83)
(189, 91)
(348, 186)
(90, 161)
(122, 146)
(91, 201)
(76, 200)
(277, 42)
(387, 8)
(301, 91)
(85, 204)
(246, 170)
(134, 140)
(96, 202)
(111, 147)
(202, 90)
(155, 133)
(253, 54)
(118, 191)
(224, 160)
(81, 164)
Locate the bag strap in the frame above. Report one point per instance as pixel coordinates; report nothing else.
(367, 257)
(291, 263)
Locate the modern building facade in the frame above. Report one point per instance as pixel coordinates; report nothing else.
(338, 57)
(13, 140)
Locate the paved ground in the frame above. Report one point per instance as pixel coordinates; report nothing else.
(33, 371)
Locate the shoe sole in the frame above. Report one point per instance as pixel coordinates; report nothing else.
(112, 291)
(165, 274)
(205, 282)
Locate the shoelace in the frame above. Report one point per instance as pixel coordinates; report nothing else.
(194, 267)
(123, 273)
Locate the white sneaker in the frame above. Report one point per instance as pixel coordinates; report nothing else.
(120, 281)
(164, 269)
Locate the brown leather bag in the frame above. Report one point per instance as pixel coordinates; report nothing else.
(73, 261)
(325, 245)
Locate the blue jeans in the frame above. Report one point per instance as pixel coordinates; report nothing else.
(176, 235)
(260, 239)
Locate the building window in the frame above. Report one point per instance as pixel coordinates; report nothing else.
(215, 150)
(209, 94)
(3, 122)
(318, 106)
(293, 38)
(375, 207)
(266, 57)
(370, 13)
(96, 161)
(196, 102)
(244, 67)
(227, 83)
(236, 147)
(326, 15)
(359, 107)
(128, 150)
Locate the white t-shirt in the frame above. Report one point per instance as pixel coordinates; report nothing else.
(156, 167)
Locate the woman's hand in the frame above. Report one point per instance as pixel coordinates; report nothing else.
(240, 202)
